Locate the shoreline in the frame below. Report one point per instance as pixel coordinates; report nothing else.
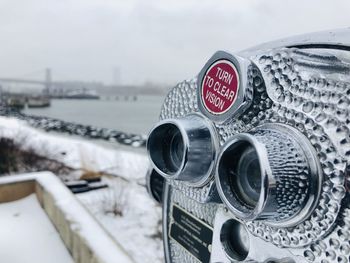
(84, 131)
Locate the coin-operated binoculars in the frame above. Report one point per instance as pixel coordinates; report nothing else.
(253, 154)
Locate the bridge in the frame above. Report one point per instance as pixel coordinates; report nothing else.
(46, 83)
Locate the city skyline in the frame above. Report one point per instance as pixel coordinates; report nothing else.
(162, 42)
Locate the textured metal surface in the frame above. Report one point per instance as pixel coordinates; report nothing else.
(289, 180)
(332, 39)
(310, 91)
(291, 169)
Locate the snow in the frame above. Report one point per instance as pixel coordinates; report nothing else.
(27, 234)
(85, 233)
(75, 153)
(133, 219)
(124, 209)
(82, 222)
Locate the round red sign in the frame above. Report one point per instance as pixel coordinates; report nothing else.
(220, 86)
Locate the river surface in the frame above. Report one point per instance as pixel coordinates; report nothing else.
(123, 115)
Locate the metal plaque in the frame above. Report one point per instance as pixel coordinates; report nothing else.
(191, 233)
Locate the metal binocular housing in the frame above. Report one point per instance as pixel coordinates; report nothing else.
(250, 158)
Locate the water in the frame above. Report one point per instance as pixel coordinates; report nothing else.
(123, 115)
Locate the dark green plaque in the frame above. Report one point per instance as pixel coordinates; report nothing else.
(191, 233)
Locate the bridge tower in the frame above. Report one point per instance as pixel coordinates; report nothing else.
(48, 81)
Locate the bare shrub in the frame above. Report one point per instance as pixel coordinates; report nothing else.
(8, 156)
(13, 160)
(114, 200)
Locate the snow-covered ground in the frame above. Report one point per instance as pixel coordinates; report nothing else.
(132, 219)
(75, 153)
(124, 209)
(24, 223)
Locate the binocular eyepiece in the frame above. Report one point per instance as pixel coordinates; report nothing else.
(270, 173)
(183, 149)
(254, 157)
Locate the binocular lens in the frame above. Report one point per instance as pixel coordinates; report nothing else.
(155, 184)
(167, 148)
(234, 238)
(242, 168)
(183, 149)
(261, 175)
(248, 176)
(176, 150)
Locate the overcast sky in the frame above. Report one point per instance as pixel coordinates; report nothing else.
(148, 40)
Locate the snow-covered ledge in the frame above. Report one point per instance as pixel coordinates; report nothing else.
(85, 239)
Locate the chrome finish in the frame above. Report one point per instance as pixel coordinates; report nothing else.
(235, 240)
(245, 91)
(258, 249)
(155, 185)
(165, 221)
(329, 39)
(302, 83)
(183, 149)
(287, 172)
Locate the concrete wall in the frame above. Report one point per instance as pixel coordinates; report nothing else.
(83, 236)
